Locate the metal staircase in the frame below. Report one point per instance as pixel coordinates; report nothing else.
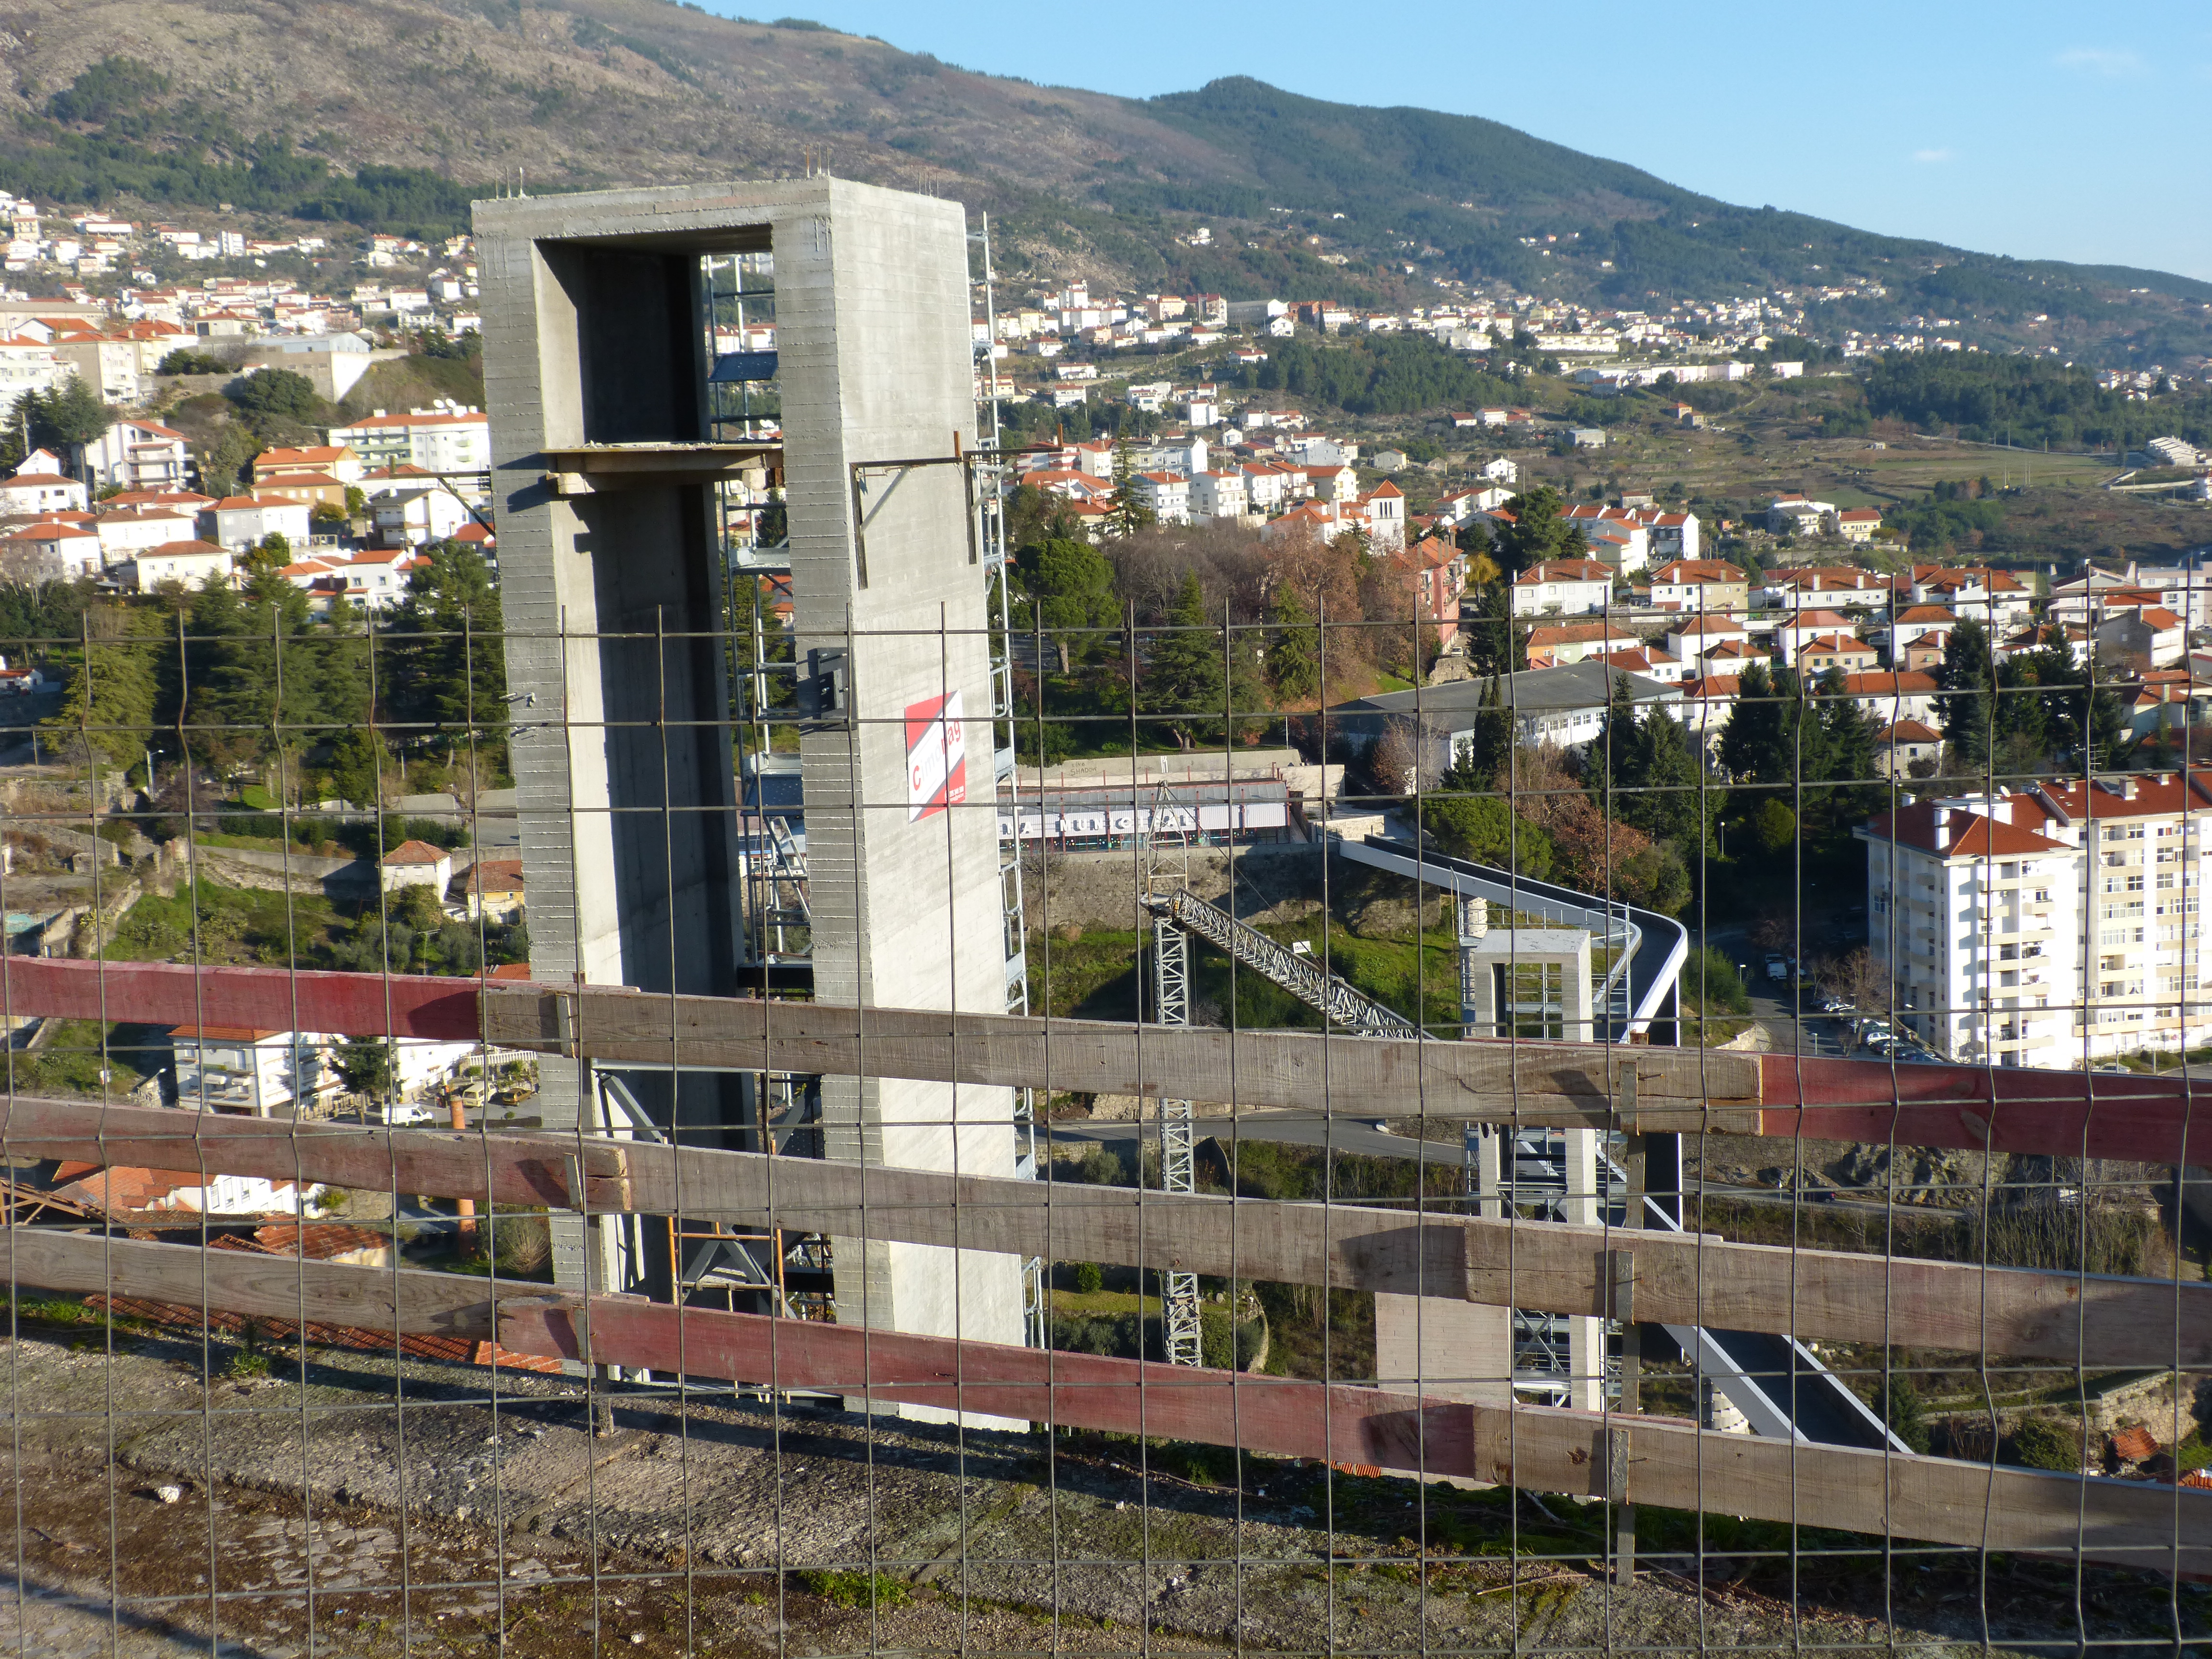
(1345, 1008)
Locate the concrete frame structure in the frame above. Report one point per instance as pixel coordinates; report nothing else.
(596, 334)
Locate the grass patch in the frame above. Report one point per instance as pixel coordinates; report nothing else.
(234, 925)
(843, 1589)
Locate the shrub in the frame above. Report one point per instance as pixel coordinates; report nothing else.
(2043, 1442)
(1896, 1402)
(1090, 1278)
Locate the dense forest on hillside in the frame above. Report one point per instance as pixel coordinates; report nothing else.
(2023, 401)
(186, 151)
(1379, 374)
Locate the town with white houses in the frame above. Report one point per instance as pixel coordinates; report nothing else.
(1645, 598)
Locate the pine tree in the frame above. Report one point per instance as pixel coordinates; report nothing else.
(1130, 511)
(1757, 746)
(109, 704)
(1965, 704)
(1496, 642)
(1182, 683)
(1294, 647)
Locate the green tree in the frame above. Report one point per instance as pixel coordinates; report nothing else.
(1967, 685)
(1130, 511)
(269, 554)
(1070, 590)
(366, 1066)
(1490, 750)
(360, 766)
(273, 399)
(1293, 647)
(444, 675)
(1775, 826)
(1182, 682)
(109, 699)
(1654, 878)
(1497, 642)
(1537, 532)
(65, 419)
(267, 681)
(224, 461)
(186, 361)
(1483, 829)
(1757, 746)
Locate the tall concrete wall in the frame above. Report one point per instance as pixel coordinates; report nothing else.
(594, 333)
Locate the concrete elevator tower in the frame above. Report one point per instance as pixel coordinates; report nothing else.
(636, 500)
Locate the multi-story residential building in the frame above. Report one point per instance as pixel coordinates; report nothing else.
(1220, 495)
(1674, 535)
(446, 438)
(227, 1068)
(39, 486)
(1971, 913)
(1566, 643)
(138, 455)
(1995, 599)
(1562, 588)
(2052, 925)
(1708, 585)
(1166, 496)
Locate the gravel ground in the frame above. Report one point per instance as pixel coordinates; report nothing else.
(160, 1503)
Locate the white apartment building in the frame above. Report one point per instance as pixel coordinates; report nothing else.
(1166, 495)
(1562, 588)
(1220, 495)
(227, 1068)
(138, 455)
(444, 438)
(2050, 926)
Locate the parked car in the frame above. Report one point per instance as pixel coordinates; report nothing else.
(1777, 966)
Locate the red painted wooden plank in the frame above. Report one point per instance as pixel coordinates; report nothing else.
(1280, 1416)
(267, 999)
(2011, 1110)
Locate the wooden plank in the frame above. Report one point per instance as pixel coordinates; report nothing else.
(2001, 1110)
(1683, 1280)
(1487, 1082)
(1672, 1463)
(267, 999)
(2150, 1119)
(500, 1169)
(408, 1302)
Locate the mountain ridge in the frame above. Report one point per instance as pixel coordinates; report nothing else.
(392, 111)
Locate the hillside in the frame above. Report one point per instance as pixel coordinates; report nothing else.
(393, 112)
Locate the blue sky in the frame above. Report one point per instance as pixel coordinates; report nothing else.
(2030, 129)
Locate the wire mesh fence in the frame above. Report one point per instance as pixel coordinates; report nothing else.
(1557, 1159)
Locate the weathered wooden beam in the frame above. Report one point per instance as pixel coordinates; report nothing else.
(1681, 1279)
(269, 999)
(1494, 1081)
(1672, 1463)
(2064, 1114)
(2150, 1119)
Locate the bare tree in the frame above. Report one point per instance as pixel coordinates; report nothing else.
(1857, 978)
(1395, 758)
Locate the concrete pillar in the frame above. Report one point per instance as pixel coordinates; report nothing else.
(595, 333)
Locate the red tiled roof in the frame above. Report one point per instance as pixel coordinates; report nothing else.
(2157, 794)
(1970, 834)
(1908, 731)
(414, 852)
(1910, 682)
